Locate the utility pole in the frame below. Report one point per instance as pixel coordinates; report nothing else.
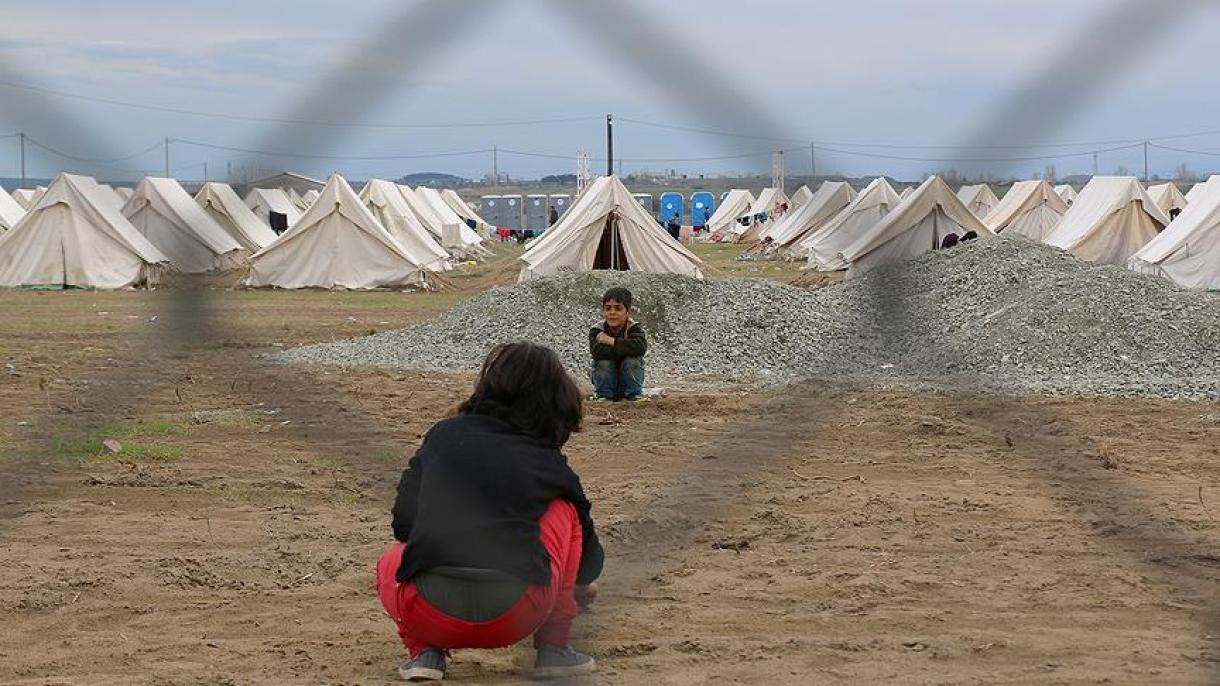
(777, 171)
(167, 157)
(22, 138)
(610, 144)
(813, 161)
(495, 165)
(1094, 164)
(205, 172)
(229, 172)
(1145, 161)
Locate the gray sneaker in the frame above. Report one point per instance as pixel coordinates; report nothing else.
(561, 662)
(429, 665)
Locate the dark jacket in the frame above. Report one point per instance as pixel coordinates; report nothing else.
(472, 497)
(631, 343)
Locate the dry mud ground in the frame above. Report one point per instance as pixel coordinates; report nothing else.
(821, 534)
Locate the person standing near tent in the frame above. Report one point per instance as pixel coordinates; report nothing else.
(618, 347)
(674, 226)
(554, 217)
(495, 538)
(707, 218)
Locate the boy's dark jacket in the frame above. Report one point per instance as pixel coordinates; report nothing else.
(631, 343)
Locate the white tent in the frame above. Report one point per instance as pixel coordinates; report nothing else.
(386, 203)
(918, 225)
(338, 243)
(463, 210)
(1030, 208)
(606, 228)
(725, 221)
(906, 192)
(296, 199)
(825, 245)
(446, 230)
(1194, 192)
(171, 220)
(1168, 198)
(802, 196)
(772, 203)
(978, 199)
(1188, 251)
(831, 198)
(264, 201)
(10, 211)
(310, 197)
(221, 203)
(25, 197)
(467, 239)
(1067, 193)
(74, 236)
(1111, 220)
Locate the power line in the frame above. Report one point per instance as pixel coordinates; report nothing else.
(86, 160)
(968, 160)
(302, 122)
(358, 158)
(1208, 153)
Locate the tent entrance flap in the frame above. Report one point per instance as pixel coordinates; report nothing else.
(610, 253)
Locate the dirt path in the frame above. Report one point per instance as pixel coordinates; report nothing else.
(823, 534)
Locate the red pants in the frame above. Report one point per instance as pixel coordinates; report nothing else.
(546, 612)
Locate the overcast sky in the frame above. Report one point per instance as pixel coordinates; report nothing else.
(866, 71)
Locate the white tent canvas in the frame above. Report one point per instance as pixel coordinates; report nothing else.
(1194, 191)
(918, 225)
(462, 209)
(1031, 209)
(825, 246)
(824, 205)
(296, 199)
(124, 192)
(25, 197)
(310, 196)
(725, 220)
(1187, 252)
(223, 205)
(386, 203)
(1168, 198)
(1067, 193)
(171, 220)
(10, 211)
(906, 192)
(338, 243)
(802, 196)
(607, 229)
(979, 199)
(451, 222)
(74, 236)
(264, 201)
(771, 203)
(1111, 219)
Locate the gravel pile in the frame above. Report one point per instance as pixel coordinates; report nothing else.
(1003, 315)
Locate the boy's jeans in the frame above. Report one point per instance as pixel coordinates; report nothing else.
(617, 380)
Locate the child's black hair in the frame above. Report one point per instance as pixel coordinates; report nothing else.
(526, 386)
(618, 295)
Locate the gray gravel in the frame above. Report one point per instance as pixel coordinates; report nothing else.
(1005, 315)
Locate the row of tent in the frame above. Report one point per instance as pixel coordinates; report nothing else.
(79, 233)
(1113, 220)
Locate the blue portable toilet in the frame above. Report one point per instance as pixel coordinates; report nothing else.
(699, 202)
(671, 204)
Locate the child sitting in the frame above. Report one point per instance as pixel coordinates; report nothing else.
(495, 540)
(618, 346)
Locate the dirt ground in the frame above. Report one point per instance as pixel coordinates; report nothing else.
(816, 534)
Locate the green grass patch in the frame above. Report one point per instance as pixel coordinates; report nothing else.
(90, 444)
